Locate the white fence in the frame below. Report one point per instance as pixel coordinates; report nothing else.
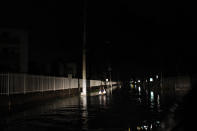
(24, 83)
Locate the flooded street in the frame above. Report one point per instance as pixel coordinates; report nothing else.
(125, 110)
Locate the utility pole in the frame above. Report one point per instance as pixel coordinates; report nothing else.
(84, 90)
(110, 82)
(109, 69)
(84, 73)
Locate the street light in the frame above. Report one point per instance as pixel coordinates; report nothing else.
(157, 76)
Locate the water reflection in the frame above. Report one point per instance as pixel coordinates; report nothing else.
(150, 98)
(148, 125)
(158, 99)
(139, 90)
(102, 100)
(84, 113)
(119, 112)
(152, 102)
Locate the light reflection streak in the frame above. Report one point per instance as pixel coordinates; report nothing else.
(139, 89)
(148, 125)
(84, 112)
(152, 96)
(102, 100)
(152, 100)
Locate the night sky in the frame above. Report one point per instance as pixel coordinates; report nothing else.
(134, 37)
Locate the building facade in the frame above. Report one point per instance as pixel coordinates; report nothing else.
(13, 50)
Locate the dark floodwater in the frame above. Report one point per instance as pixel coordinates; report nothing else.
(125, 110)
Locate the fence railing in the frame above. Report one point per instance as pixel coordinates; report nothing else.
(11, 83)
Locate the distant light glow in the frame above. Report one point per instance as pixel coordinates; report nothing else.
(152, 96)
(158, 122)
(139, 89)
(157, 76)
(138, 128)
(145, 127)
(158, 99)
(138, 81)
(151, 126)
(106, 79)
(146, 81)
(151, 79)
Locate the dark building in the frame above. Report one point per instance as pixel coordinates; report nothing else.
(13, 50)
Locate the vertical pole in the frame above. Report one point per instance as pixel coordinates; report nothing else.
(69, 86)
(161, 80)
(84, 51)
(110, 82)
(48, 83)
(63, 83)
(84, 73)
(78, 85)
(54, 84)
(42, 83)
(1, 86)
(161, 84)
(33, 89)
(24, 83)
(8, 84)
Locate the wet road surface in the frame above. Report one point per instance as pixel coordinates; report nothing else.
(125, 110)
